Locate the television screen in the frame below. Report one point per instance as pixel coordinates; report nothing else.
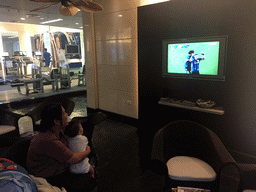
(195, 58)
(22, 53)
(38, 53)
(5, 54)
(72, 49)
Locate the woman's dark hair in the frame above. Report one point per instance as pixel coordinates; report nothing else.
(50, 113)
(72, 129)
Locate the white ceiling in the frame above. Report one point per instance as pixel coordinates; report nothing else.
(14, 10)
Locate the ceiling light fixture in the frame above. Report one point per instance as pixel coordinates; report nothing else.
(51, 21)
(12, 37)
(22, 18)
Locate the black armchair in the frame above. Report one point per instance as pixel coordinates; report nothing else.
(247, 176)
(8, 122)
(18, 152)
(35, 114)
(88, 122)
(190, 139)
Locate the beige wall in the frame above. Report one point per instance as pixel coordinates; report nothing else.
(116, 54)
(112, 81)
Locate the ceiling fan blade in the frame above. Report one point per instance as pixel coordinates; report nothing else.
(44, 7)
(88, 6)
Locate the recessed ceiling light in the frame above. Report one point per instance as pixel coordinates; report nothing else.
(51, 21)
(22, 18)
(77, 23)
(41, 18)
(12, 37)
(120, 15)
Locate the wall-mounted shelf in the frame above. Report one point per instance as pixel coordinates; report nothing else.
(195, 108)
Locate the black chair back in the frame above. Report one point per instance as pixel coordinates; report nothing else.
(18, 152)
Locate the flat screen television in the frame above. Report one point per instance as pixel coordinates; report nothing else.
(22, 53)
(201, 58)
(38, 53)
(72, 49)
(5, 54)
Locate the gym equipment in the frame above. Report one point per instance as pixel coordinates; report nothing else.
(38, 82)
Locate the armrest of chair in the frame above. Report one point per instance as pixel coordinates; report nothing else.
(247, 176)
(158, 167)
(18, 152)
(238, 176)
(10, 118)
(219, 155)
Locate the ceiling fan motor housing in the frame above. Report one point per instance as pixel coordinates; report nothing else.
(68, 11)
(64, 3)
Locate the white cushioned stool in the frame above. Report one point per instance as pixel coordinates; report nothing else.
(183, 168)
(25, 124)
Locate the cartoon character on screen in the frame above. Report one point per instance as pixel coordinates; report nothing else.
(189, 61)
(196, 62)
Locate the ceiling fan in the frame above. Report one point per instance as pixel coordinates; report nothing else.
(70, 7)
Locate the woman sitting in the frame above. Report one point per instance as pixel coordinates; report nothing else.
(49, 155)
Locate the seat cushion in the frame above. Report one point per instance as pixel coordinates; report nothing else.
(25, 124)
(6, 129)
(38, 122)
(183, 168)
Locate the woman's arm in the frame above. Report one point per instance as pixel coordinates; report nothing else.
(80, 156)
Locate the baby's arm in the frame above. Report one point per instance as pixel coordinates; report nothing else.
(84, 142)
(91, 171)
